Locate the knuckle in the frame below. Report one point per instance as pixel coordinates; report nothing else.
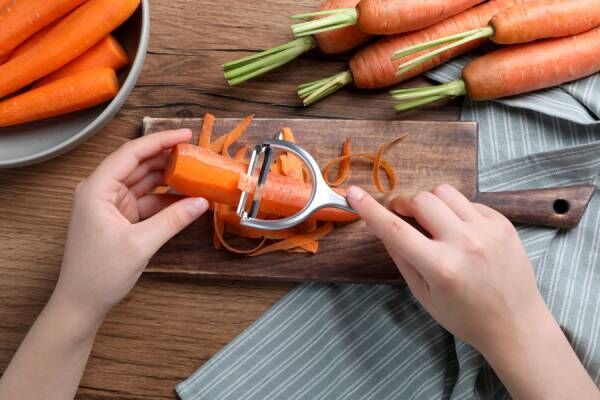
(419, 199)
(393, 227)
(441, 189)
(175, 220)
(448, 276)
(475, 246)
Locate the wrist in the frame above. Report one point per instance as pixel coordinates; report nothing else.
(79, 321)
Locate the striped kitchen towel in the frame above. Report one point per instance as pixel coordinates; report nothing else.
(376, 342)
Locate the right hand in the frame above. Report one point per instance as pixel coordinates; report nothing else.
(473, 275)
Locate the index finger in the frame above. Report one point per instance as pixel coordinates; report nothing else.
(123, 162)
(396, 233)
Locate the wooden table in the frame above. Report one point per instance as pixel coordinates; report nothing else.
(166, 328)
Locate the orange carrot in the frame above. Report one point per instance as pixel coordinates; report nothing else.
(291, 165)
(517, 69)
(33, 40)
(195, 171)
(75, 92)
(353, 156)
(221, 240)
(21, 19)
(296, 241)
(372, 66)
(522, 22)
(70, 38)
(383, 17)
(334, 42)
(207, 127)
(106, 54)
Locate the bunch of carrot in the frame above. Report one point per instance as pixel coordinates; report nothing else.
(58, 56)
(420, 35)
(207, 169)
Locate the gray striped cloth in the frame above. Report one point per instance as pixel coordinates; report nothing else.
(376, 342)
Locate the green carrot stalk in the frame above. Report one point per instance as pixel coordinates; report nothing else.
(314, 91)
(334, 19)
(416, 97)
(246, 68)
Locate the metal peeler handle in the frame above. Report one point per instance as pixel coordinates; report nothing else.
(322, 195)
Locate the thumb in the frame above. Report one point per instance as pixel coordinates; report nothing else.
(157, 230)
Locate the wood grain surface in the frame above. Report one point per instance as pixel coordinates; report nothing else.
(166, 328)
(433, 153)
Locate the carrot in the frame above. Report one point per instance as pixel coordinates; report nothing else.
(372, 66)
(70, 38)
(20, 19)
(377, 162)
(106, 54)
(291, 165)
(383, 17)
(235, 134)
(207, 127)
(33, 40)
(76, 92)
(341, 41)
(515, 70)
(195, 171)
(522, 22)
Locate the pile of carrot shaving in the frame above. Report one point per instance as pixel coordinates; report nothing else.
(305, 237)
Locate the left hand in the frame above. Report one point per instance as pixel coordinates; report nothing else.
(117, 224)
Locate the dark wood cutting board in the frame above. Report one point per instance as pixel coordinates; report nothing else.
(433, 153)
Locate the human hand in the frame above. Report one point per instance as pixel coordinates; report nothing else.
(473, 275)
(117, 224)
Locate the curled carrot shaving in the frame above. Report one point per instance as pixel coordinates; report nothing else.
(377, 163)
(207, 127)
(311, 247)
(296, 241)
(365, 156)
(223, 242)
(291, 165)
(344, 169)
(161, 190)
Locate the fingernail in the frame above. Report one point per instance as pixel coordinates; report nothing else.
(197, 206)
(355, 193)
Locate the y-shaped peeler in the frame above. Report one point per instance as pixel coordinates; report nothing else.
(322, 195)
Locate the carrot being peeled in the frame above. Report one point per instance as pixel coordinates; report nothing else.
(106, 54)
(23, 18)
(195, 171)
(522, 22)
(372, 67)
(334, 42)
(76, 92)
(516, 70)
(70, 38)
(383, 17)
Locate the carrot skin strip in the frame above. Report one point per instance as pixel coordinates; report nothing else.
(206, 133)
(296, 241)
(236, 133)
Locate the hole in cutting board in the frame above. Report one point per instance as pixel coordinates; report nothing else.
(561, 206)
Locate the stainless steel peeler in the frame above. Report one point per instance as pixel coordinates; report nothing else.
(322, 195)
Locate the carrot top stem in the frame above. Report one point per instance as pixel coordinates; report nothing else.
(453, 41)
(415, 97)
(334, 19)
(243, 69)
(314, 91)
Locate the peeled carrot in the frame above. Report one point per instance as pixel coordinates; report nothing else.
(20, 19)
(195, 171)
(70, 38)
(76, 92)
(106, 54)
(33, 40)
(517, 69)
(522, 22)
(372, 66)
(383, 17)
(334, 42)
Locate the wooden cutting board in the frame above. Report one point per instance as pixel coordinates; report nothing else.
(433, 153)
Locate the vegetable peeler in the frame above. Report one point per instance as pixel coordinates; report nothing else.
(322, 195)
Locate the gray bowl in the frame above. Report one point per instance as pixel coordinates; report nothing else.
(42, 140)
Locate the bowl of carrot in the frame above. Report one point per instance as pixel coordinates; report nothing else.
(65, 72)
